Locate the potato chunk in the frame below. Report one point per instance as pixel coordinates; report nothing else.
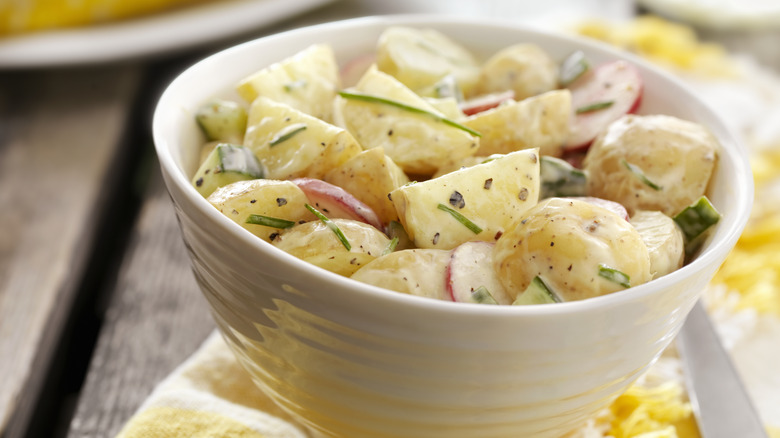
(653, 162)
(370, 176)
(290, 144)
(307, 81)
(421, 57)
(575, 247)
(524, 68)
(418, 143)
(664, 241)
(492, 195)
(317, 244)
(420, 272)
(264, 197)
(541, 121)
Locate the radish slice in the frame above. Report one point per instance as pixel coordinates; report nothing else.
(605, 203)
(335, 202)
(486, 102)
(611, 91)
(353, 70)
(471, 267)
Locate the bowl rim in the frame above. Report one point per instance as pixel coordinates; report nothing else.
(712, 255)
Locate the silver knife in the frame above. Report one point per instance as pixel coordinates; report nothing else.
(720, 402)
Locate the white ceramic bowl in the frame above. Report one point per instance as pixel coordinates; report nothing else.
(353, 360)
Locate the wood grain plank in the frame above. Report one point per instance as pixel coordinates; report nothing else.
(60, 135)
(156, 319)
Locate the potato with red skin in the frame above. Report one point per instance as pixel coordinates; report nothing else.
(569, 243)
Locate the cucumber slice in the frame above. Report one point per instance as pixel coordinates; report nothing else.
(483, 296)
(697, 218)
(226, 164)
(560, 178)
(537, 293)
(222, 120)
(694, 221)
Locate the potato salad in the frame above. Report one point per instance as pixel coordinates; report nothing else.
(518, 179)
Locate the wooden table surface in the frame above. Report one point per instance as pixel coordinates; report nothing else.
(97, 300)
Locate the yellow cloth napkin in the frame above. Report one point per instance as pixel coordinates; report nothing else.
(210, 395)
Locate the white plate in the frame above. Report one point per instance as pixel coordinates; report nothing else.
(720, 14)
(151, 35)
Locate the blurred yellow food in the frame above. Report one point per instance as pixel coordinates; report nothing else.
(663, 42)
(18, 16)
(753, 267)
(653, 412)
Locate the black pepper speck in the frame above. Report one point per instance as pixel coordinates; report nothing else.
(456, 200)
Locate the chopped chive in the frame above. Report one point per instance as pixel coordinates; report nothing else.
(481, 295)
(391, 246)
(267, 221)
(614, 275)
(378, 99)
(696, 218)
(595, 106)
(330, 224)
(636, 170)
(287, 135)
(574, 66)
(462, 219)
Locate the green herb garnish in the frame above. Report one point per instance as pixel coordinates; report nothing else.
(413, 109)
(391, 246)
(614, 275)
(594, 107)
(481, 295)
(462, 219)
(641, 175)
(330, 224)
(267, 221)
(287, 135)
